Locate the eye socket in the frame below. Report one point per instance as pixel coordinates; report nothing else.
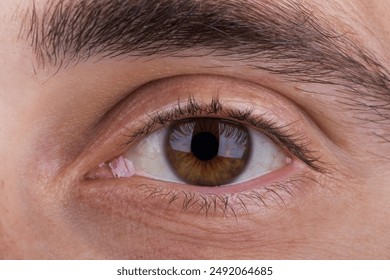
(206, 152)
(278, 157)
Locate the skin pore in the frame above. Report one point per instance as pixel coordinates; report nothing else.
(312, 77)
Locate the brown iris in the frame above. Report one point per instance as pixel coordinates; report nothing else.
(207, 151)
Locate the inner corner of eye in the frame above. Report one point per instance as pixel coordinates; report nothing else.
(120, 167)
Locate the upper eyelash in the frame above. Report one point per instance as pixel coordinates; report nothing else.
(297, 145)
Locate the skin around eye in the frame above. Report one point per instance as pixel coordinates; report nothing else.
(133, 161)
(200, 151)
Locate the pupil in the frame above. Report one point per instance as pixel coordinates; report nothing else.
(204, 146)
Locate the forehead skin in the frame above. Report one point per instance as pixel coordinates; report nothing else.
(35, 136)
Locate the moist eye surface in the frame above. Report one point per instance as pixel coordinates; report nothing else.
(199, 150)
(207, 151)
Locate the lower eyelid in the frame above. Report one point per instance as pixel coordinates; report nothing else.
(124, 196)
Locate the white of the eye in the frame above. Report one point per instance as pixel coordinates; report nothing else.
(149, 159)
(265, 157)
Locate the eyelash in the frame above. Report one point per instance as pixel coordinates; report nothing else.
(297, 145)
(229, 204)
(226, 205)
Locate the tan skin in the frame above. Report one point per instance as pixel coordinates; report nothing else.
(52, 133)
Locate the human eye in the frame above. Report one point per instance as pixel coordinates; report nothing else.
(208, 152)
(205, 152)
(202, 151)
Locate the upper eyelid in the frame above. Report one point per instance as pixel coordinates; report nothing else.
(284, 136)
(344, 62)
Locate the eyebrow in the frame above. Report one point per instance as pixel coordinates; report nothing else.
(281, 37)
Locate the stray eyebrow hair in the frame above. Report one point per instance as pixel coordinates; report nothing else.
(282, 37)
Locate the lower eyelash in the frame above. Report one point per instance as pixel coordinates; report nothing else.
(128, 201)
(228, 205)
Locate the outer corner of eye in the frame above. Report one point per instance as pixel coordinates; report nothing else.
(201, 152)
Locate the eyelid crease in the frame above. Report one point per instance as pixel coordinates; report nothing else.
(282, 135)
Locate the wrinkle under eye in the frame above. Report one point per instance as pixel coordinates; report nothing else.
(207, 151)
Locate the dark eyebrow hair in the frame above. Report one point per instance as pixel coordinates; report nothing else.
(282, 37)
